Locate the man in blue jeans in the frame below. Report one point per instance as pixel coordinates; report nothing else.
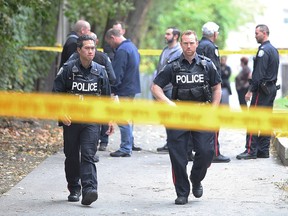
(126, 67)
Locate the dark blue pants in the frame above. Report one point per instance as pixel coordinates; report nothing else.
(79, 150)
(104, 138)
(241, 96)
(178, 145)
(257, 143)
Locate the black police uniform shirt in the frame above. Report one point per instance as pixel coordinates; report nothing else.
(266, 64)
(207, 48)
(102, 59)
(167, 74)
(69, 47)
(74, 78)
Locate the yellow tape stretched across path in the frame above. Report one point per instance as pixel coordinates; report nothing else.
(157, 52)
(96, 109)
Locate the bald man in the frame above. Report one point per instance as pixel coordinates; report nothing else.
(80, 28)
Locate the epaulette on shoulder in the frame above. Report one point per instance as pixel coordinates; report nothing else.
(202, 57)
(69, 63)
(172, 60)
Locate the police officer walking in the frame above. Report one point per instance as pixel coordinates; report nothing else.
(263, 90)
(194, 78)
(102, 59)
(81, 77)
(208, 48)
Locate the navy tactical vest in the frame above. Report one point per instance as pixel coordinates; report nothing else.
(95, 83)
(192, 84)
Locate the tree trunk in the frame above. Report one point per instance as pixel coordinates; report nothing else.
(136, 19)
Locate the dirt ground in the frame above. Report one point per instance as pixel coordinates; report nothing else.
(24, 144)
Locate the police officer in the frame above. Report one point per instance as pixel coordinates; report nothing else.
(194, 78)
(102, 59)
(263, 90)
(208, 48)
(81, 27)
(80, 77)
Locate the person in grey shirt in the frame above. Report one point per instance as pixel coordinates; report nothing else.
(170, 52)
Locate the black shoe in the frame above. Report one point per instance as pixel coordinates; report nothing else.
(74, 196)
(163, 149)
(89, 197)
(263, 155)
(102, 147)
(96, 158)
(245, 156)
(197, 190)
(119, 154)
(181, 200)
(220, 159)
(135, 148)
(191, 157)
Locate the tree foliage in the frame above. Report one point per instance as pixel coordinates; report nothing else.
(98, 12)
(34, 23)
(25, 23)
(192, 14)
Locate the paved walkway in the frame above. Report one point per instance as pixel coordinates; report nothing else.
(142, 184)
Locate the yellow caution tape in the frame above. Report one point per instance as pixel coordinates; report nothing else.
(96, 109)
(279, 134)
(43, 48)
(157, 52)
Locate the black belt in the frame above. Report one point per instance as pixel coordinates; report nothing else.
(270, 82)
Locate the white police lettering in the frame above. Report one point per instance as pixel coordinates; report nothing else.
(84, 87)
(195, 78)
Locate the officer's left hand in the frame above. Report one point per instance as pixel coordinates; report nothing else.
(110, 128)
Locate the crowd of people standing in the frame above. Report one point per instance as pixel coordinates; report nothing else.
(115, 73)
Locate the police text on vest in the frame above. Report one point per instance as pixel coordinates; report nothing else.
(84, 88)
(195, 78)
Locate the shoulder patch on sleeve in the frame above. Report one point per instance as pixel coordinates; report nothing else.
(261, 53)
(172, 60)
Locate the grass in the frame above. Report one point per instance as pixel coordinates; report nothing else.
(281, 103)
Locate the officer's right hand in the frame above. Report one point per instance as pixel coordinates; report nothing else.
(248, 96)
(171, 103)
(66, 120)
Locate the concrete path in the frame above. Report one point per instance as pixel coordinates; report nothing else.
(142, 184)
